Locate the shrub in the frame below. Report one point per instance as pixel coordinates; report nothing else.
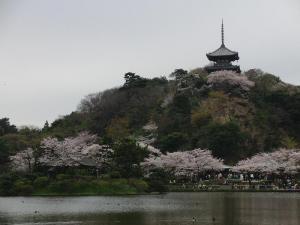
(64, 186)
(200, 117)
(157, 181)
(23, 188)
(115, 174)
(41, 182)
(7, 184)
(140, 185)
(62, 177)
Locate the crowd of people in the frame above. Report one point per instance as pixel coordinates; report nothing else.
(228, 180)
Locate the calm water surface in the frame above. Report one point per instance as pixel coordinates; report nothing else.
(172, 208)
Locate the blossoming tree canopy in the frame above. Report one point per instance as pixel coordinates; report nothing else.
(73, 151)
(184, 163)
(282, 160)
(230, 79)
(23, 161)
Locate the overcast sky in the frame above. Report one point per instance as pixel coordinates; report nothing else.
(54, 52)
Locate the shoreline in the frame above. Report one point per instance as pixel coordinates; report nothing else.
(152, 193)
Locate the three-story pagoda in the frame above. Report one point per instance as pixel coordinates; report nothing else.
(222, 58)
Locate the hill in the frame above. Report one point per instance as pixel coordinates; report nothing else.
(234, 115)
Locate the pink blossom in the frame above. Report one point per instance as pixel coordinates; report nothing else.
(23, 160)
(186, 163)
(71, 151)
(230, 78)
(282, 160)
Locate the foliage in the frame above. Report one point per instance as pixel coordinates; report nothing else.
(158, 180)
(74, 151)
(179, 74)
(67, 185)
(282, 160)
(172, 141)
(68, 125)
(41, 182)
(4, 154)
(7, 184)
(174, 124)
(127, 157)
(6, 127)
(23, 188)
(186, 164)
(24, 160)
(133, 102)
(230, 82)
(118, 128)
(133, 80)
(225, 140)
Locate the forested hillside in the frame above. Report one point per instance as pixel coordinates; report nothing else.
(233, 115)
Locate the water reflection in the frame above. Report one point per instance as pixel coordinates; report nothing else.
(173, 208)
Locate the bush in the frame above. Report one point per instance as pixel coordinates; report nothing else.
(158, 181)
(62, 177)
(64, 186)
(7, 184)
(41, 182)
(140, 185)
(115, 174)
(127, 157)
(23, 189)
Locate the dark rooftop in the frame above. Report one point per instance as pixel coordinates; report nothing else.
(222, 51)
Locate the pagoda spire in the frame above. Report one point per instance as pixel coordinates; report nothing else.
(222, 32)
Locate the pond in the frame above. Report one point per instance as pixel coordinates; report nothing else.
(172, 208)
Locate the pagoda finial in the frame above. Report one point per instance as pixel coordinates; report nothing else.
(222, 31)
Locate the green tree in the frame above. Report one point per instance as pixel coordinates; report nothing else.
(133, 80)
(6, 127)
(226, 141)
(4, 153)
(172, 142)
(46, 126)
(118, 129)
(127, 157)
(179, 73)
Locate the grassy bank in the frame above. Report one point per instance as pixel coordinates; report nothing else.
(65, 185)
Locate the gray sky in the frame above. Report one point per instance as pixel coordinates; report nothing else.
(54, 52)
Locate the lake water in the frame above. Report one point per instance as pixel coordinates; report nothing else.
(173, 208)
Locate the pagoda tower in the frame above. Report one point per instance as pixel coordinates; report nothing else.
(222, 58)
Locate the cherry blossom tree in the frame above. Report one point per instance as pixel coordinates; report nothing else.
(72, 151)
(230, 79)
(282, 160)
(152, 150)
(187, 163)
(23, 160)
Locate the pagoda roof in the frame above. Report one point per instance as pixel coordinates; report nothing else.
(222, 51)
